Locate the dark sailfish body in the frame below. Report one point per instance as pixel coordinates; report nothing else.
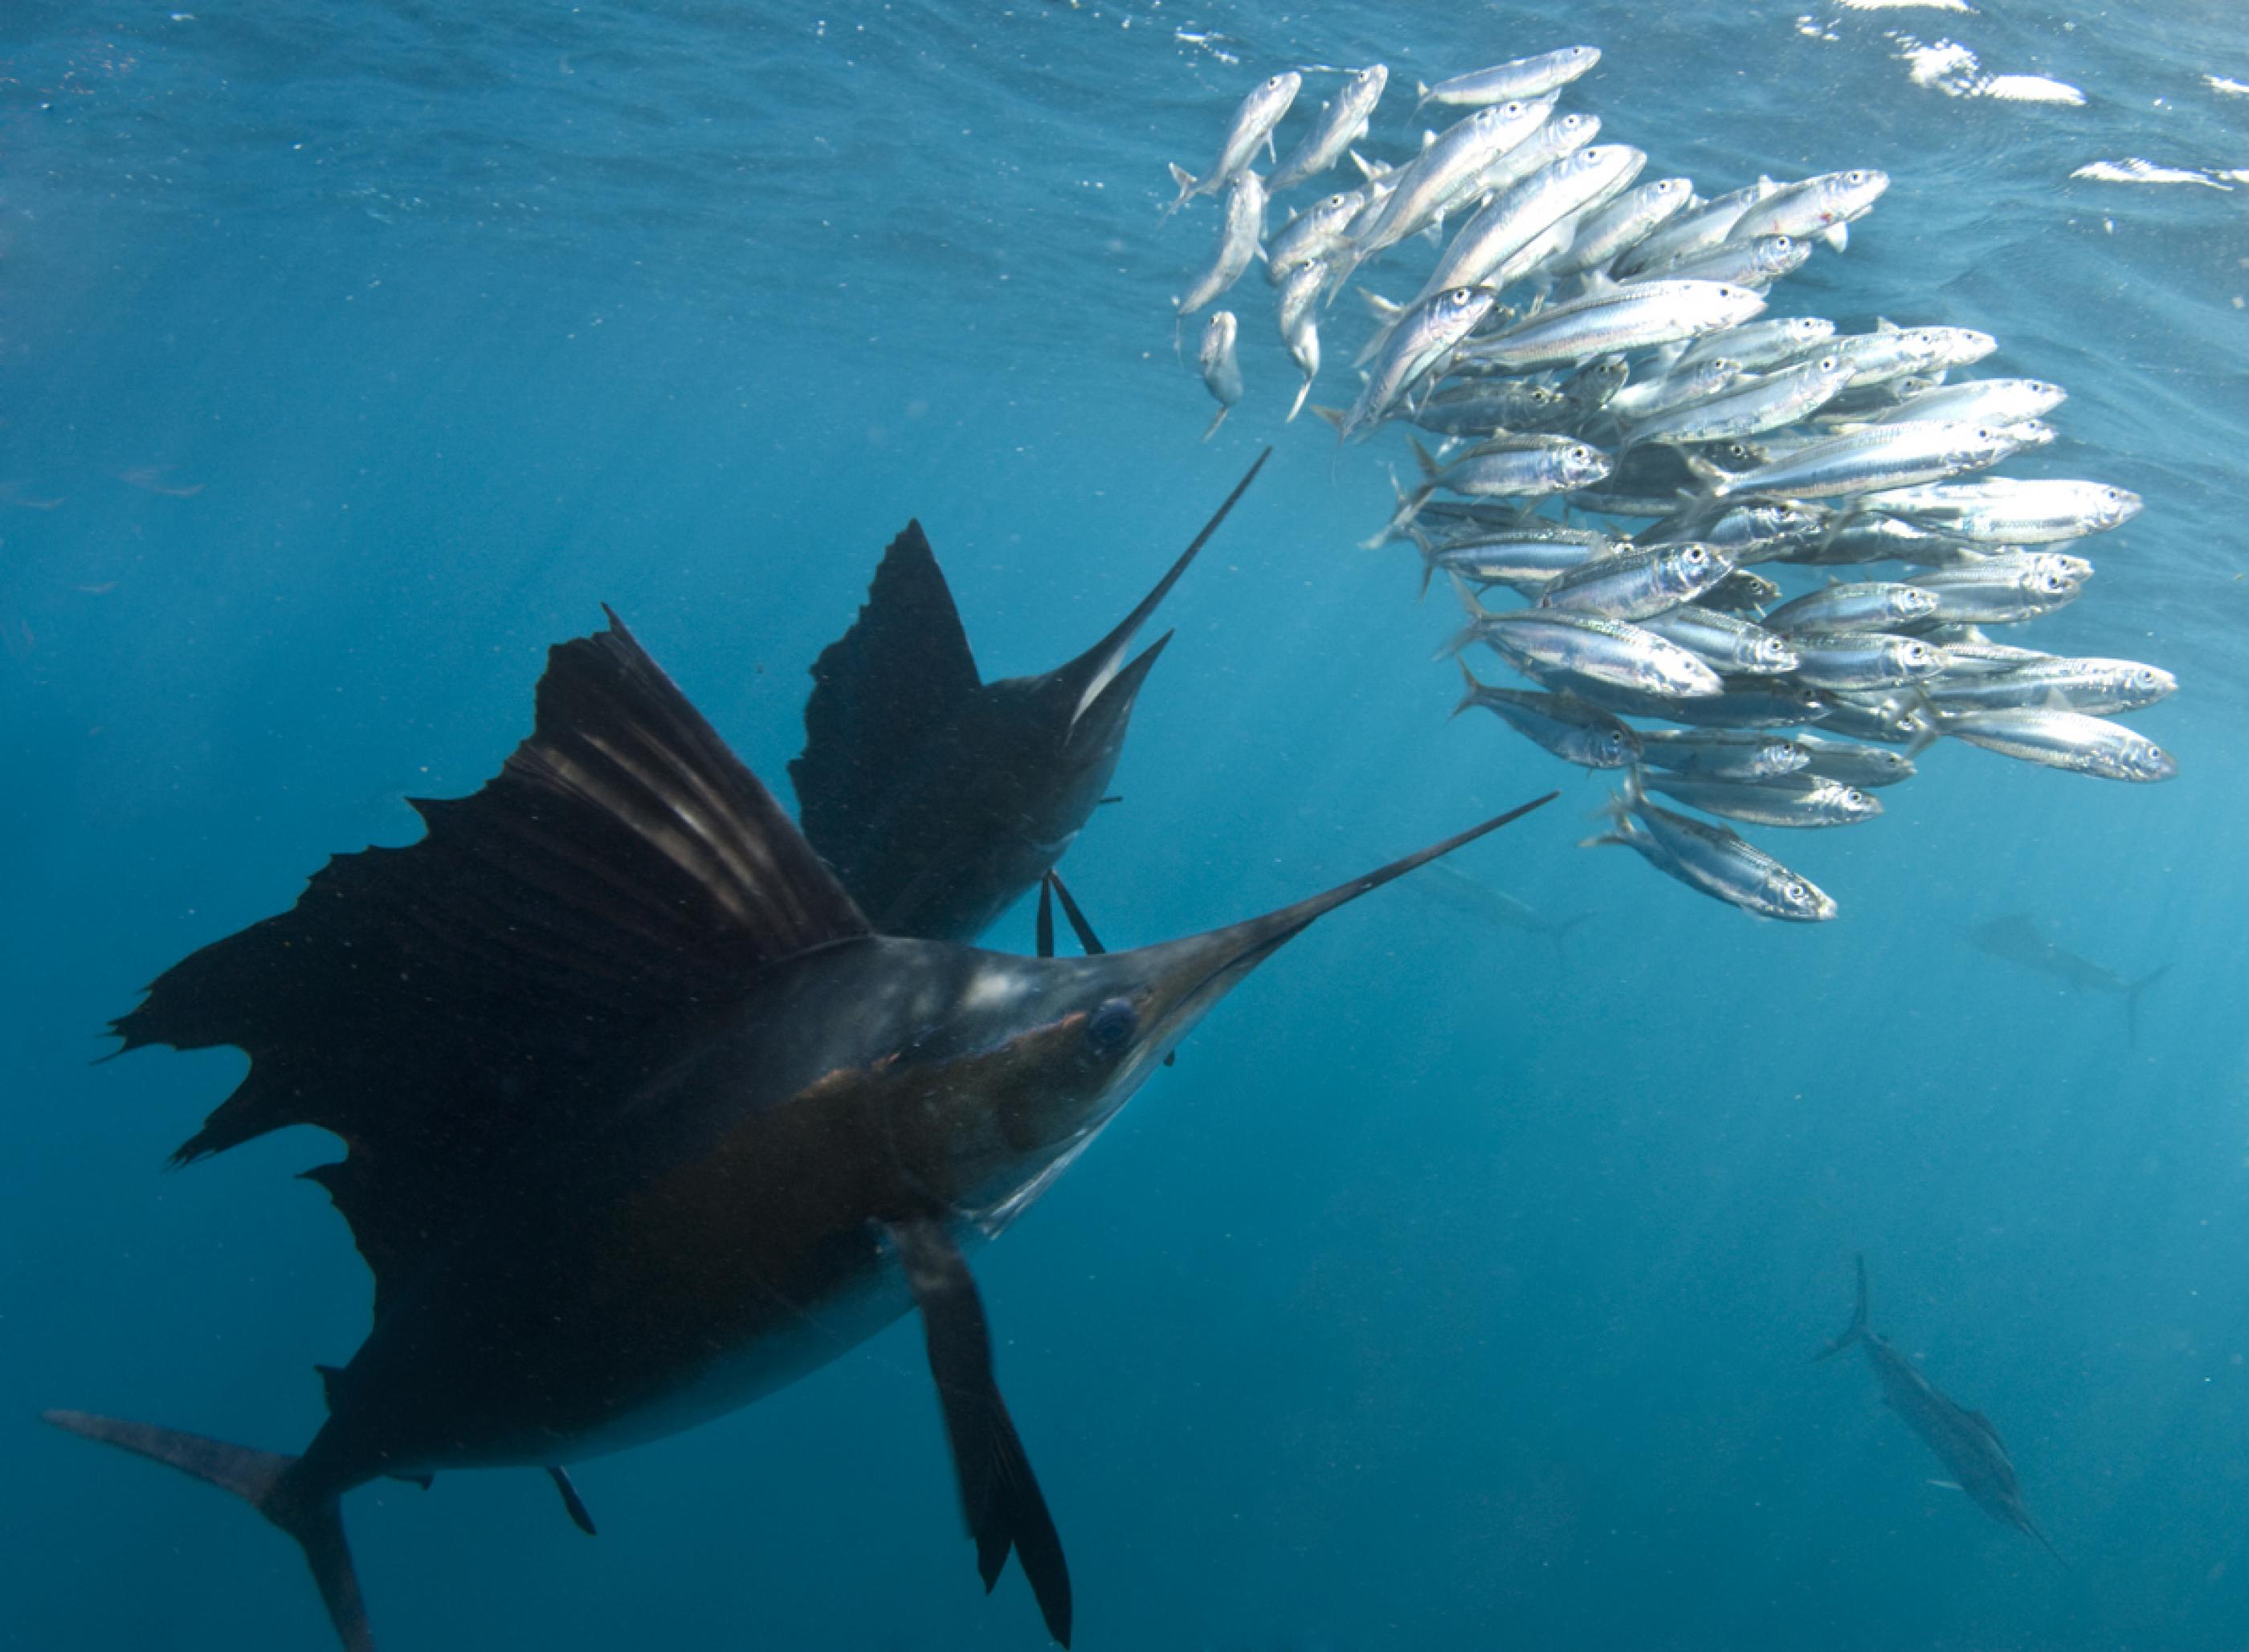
(1964, 1440)
(2018, 940)
(940, 799)
(645, 1121)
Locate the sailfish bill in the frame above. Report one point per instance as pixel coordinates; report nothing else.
(644, 1120)
(940, 799)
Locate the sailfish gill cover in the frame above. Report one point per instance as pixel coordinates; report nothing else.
(1460, 1283)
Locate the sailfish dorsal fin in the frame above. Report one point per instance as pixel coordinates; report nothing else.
(881, 695)
(435, 1005)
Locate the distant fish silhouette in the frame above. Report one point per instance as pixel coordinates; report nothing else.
(2018, 939)
(12, 493)
(149, 478)
(1476, 898)
(1963, 1440)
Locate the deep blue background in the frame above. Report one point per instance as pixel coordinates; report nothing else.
(1441, 1293)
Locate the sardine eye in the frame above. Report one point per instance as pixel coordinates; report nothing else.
(1110, 1027)
(1794, 891)
(1854, 177)
(1855, 798)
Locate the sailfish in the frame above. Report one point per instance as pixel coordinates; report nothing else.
(644, 1118)
(1964, 1440)
(940, 799)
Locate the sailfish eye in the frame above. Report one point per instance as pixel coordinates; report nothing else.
(1110, 1027)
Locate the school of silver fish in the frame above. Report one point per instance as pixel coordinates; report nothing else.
(1623, 434)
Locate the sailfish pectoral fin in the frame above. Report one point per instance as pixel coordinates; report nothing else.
(1070, 910)
(999, 1495)
(580, 1516)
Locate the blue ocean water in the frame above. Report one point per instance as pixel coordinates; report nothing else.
(1448, 1291)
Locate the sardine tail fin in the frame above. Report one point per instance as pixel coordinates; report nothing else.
(1471, 688)
(263, 1480)
(1857, 1328)
(1297, 406)
(1423, 543)
(1216, 419)
(1186, 181)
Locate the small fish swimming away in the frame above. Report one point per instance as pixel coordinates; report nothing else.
(2017, 938)
(2076, 741)
(1300, 327)
(644, 1120)
(1523, 78)
(1250, 130)
(1239, 237)
(1221, 373)
(1636, 352)
(1963, 1440)
(1710, 859)
(1341, 124)
(1569, 728)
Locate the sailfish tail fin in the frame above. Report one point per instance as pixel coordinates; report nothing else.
(2132, 1002)
(263, 1480)
(1857, 1328)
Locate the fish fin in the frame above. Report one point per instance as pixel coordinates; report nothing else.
(1335, 417)
(1428, 549)
(263, 1479)
(882, 693)
(1217, 419)
(1297, 406)
(1883, 324)
(2132, 991)
(1420, 92)
(572, 1505)
(999, 1495)
(1985, 1424)
(1560, 931)
(1946, 1485)
(1472, 689)
(1837, 236)
(1421, 458)
(1857, 1328)
(2031, 1526)
(1368, 171)
(435, 1004)
(1186, 180)
(1271, 153)
(1076, 914)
